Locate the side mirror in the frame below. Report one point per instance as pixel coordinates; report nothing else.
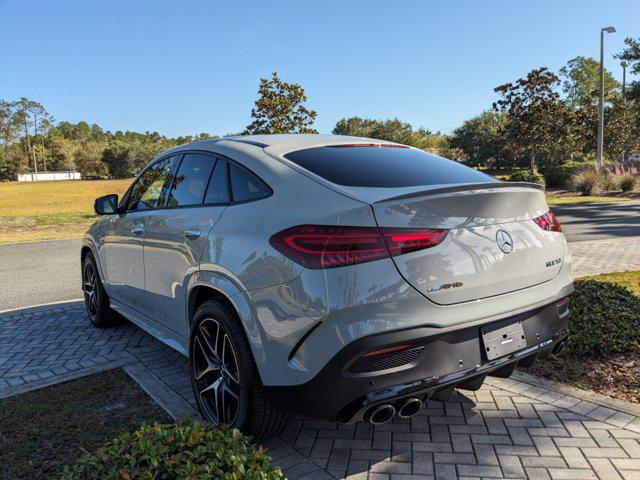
(106, 205)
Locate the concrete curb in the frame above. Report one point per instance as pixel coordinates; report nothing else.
(64, 305)
(160, 392)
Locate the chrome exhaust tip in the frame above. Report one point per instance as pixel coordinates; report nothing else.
(409, 408)
(380, 414)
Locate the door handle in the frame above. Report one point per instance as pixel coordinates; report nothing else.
(139, 230)
(193, 234)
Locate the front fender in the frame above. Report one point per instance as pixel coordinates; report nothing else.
(88, 241)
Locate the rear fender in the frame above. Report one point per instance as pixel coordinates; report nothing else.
(240, 302)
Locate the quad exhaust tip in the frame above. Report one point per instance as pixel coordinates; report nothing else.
(380, 414)
(384, 413)
(409, 408)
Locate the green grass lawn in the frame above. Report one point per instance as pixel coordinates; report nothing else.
(574, 199)
(49, 210)
(604, 351)
(43, 430)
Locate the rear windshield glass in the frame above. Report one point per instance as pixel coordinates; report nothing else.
(375, 166)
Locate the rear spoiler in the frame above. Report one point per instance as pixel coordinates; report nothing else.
(463, 187)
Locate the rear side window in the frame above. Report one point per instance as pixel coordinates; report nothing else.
(217, 191)
(245, 186)
(383, 166)
(190, 182)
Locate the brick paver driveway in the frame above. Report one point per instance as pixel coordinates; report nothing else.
(508, 429)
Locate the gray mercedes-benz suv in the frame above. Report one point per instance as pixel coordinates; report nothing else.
(339, 277)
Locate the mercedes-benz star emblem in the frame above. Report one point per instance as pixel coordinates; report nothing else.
(504, 241)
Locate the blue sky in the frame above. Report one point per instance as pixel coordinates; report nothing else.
(184, 67)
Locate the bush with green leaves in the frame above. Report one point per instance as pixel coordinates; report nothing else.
(586, 181)
(527, 176)
(183, 450)
(559, 175)
(605, 319)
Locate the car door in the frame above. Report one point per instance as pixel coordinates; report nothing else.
(124, 240)
(176, 235)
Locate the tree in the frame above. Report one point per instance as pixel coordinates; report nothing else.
(118, 161)
(23, 119)
(480, 140)
(631, 55)
(280, 109)
(12, 161)
(42, 122)
(582, 82)
(60, 152)
(392, 130)
(88, 159)
(539, 126)
(622, 132)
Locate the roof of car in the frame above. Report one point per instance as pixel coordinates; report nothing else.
(295, 139)
(282, 143)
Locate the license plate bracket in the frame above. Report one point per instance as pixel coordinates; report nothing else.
(500, 339)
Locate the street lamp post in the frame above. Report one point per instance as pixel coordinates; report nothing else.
(601, 102)
(624, 64)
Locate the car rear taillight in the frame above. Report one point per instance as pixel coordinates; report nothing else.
(548, 222)
(320, 246)
(406, 240)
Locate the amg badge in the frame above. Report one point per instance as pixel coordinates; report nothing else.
(444, 286)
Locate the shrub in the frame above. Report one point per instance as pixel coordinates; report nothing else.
(609, 182)
(559, 176)
(586, 181)
(628, 182)
(183, 450)
(621, 177)
(527, 176)
(605, 319)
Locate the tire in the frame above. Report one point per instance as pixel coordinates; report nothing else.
(96, 299)
(238, 399)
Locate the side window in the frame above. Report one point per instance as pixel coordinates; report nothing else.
(191, 180)
(217, 191)
(245, 185)
(148, 188)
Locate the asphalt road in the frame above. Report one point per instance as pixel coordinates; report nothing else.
(36, 273)
(599, 221)
(45, 272)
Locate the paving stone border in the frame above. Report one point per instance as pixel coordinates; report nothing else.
(594, 257)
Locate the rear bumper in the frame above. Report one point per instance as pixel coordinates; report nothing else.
(443, 361)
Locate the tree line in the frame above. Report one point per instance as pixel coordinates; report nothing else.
(541, 121)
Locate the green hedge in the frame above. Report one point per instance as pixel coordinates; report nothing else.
(605, 319)
(559, 176)
(183, 450)
(527, 176)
